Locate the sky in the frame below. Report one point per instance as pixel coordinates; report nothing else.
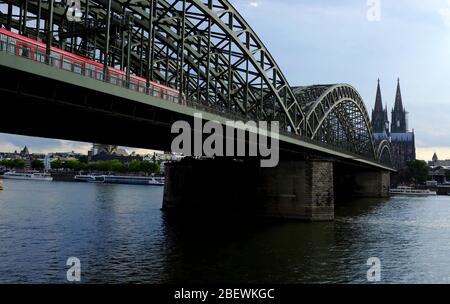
(349, 41)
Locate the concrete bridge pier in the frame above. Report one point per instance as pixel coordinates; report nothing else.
(300, 190)
(295, 189)
(356, 182)
(372, 184)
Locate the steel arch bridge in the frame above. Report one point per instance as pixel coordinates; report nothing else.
(336, 115)
(206, 51)
(384, 152)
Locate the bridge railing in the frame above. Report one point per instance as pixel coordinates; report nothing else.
(38, 56)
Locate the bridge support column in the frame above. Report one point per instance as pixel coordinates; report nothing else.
(359, 183)
(300, 190)
(372, 184)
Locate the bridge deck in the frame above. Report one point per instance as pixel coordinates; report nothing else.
(176, 105)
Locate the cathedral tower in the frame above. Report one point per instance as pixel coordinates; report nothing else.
(380, 121)
(402, 140)
(398, 113)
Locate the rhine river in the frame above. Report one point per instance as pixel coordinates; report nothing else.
(120, 235)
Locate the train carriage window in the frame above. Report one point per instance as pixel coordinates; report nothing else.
(11, 44)
(67, 65)
(124, 80)
(24, 51)
(77, 68)
(3, 42)
(99, 75)
(89, 70)
(156, 91)
(55, 59)
(142, 86)
(89, 73)
(113, 79)
(40, 56)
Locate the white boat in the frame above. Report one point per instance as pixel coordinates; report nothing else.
(409, 191)
(90, 178)
(28, 176)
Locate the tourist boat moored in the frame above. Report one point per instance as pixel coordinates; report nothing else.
(90, 178)
(134, 180)
(28, 176)
(409, 191)
(113, 179)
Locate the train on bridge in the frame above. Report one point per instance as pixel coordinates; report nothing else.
(36, 51)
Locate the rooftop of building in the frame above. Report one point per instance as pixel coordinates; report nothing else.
(407, 136)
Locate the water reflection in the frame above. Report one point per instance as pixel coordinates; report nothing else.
(120, 235)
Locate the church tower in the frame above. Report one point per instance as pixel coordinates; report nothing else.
(402, 140)
(380, 121)
(398, 124)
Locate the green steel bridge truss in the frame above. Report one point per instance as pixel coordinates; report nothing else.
(206, 51)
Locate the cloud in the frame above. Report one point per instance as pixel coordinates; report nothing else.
(254, 4)
(444, 12)
(8, 147)
(11, 143)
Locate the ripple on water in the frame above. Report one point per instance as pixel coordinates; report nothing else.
(120, 235)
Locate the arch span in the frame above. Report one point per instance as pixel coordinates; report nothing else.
(203, 48)
(336, 115)
(384, 152)
(208, 52)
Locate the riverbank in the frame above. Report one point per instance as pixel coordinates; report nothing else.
(443, 190)
(69, 176)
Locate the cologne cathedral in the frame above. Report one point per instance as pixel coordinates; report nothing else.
(402, 139)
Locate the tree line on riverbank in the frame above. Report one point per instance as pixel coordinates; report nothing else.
(13, 163)
(133, 166)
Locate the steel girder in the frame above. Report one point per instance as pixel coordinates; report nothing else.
(204, 48)
(336, 115)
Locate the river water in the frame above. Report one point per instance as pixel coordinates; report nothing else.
(120, 235)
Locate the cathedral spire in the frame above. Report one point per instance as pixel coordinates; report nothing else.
(398, 98)
(378, 100)
(402, 141)
(398, 124)
(379, 115)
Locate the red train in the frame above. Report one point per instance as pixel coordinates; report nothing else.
(36, 50)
